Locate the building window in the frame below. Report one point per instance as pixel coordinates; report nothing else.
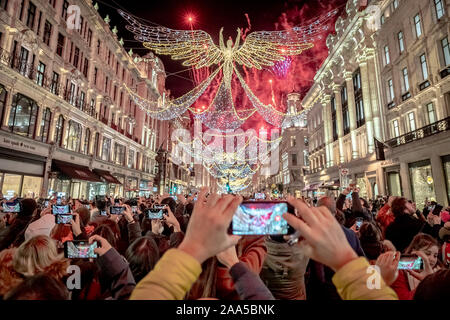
(60, 45)
(293, 141)
(31, 15)
(40, 74)
(96, 143)
(4, 4)
(52, 2)
(424, 67)
(54, 88)
(47, 32)
(446, 51)
(76, 57)
(92, 108)
(23, 61)
(106, 149)
(395, 4)
(95, 75)
(106, 84)
(439, 7)
(87, 141)
(86, 67)
(382, 19)
(405, 80)
(45, 125)
(59, 131)
(99, 44)
(131, 160)
(73, 136)
(22, 5)
(119, 153)
(82, 100)
(64, 9)
(412, 121)
(334, 118)
(395, 129)
(422, 184)
(387, 58)
(22, 118)
(359, 104)
(431, 113)
(345, 111)
(90, 37)
(294, 159)
(401, 43)
(417, 25)
(390, 86)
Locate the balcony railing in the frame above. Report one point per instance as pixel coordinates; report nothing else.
(427, 131)
(445, 72)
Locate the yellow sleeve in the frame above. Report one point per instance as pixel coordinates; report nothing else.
(171, 278)
(355, 281)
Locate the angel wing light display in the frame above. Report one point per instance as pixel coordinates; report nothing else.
(261, 49)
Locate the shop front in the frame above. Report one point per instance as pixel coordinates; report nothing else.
(332, 188)
(111, 185)
(21, 174)
(311, 190)
(446, 165)
(422, 182)
(145, 188)
(77, 182)
(131, 187)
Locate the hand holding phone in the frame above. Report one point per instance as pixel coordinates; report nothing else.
(116, 210)
(154, 213)
(410, 262)
(102, 245)
(11, 206)
(63, 218)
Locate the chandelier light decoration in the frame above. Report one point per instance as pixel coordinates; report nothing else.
(269, 50)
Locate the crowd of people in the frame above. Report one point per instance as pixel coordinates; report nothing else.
(189, 253)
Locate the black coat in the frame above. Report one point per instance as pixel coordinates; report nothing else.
(402, 230)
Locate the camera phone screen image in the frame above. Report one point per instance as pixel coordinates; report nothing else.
(63, 218)
(11, 207)
(263, 218)
(159, 206)
(116, 210)
(410, 263)
(155, 213)
(260, 196)
(61, 209)
(80, 250)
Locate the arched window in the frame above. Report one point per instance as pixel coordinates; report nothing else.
(59, 130)
(74, 136)
(3, 94)
(45, 124)
(22, 119)
(96, 141)
(87, 141)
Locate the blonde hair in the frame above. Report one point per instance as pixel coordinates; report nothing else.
(36, 255)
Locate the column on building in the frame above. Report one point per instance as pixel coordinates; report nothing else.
(340, 122)
(405, 180)
(363, 67)
(352, 112)
(439, 179)
(53, 122)
(8, 105)
(324, 105)
(375, 103)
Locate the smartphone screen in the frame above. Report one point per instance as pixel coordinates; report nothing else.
(159, 206)
(58, 209)
(134, 209)
(46, 202)
(410, 262)
(63, 218)
(260, 196)
(260, 218)
(103, 213)
(358, 223)
(155, 213)
(116, 210)
(58, 201)
(79, 250)
(11, 207)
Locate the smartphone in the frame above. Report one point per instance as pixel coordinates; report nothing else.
(46, 202)
(79, 250)
(63, 218)
(154, 213)
(359, 222)
(11, 207)
(410, 262)
(58, 201)
(116, 210)
(134, 209)
(349, 196)
(260, 218)
(58, 209)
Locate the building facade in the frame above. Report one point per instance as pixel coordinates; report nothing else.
(68, 124)
(390, 84)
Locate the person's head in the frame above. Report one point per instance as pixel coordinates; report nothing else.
(369, 232)
(101, 205)
(28, 206)
(84, 214)
(427, 245)
(436, 286)
(142, 255)
(39, 254)
(171, 203)
(364, 203)
(189, 209)
(9, 278)
(401, 206)
(39, 287)
(329, 203)
(105, 231)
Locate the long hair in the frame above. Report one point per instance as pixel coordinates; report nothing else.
(421, 241)
(9, 278)
(205, 286)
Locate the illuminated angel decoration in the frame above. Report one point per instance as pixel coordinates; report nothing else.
(261, 49)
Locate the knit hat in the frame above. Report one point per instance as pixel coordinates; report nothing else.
(445, 216)
(43, 226)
